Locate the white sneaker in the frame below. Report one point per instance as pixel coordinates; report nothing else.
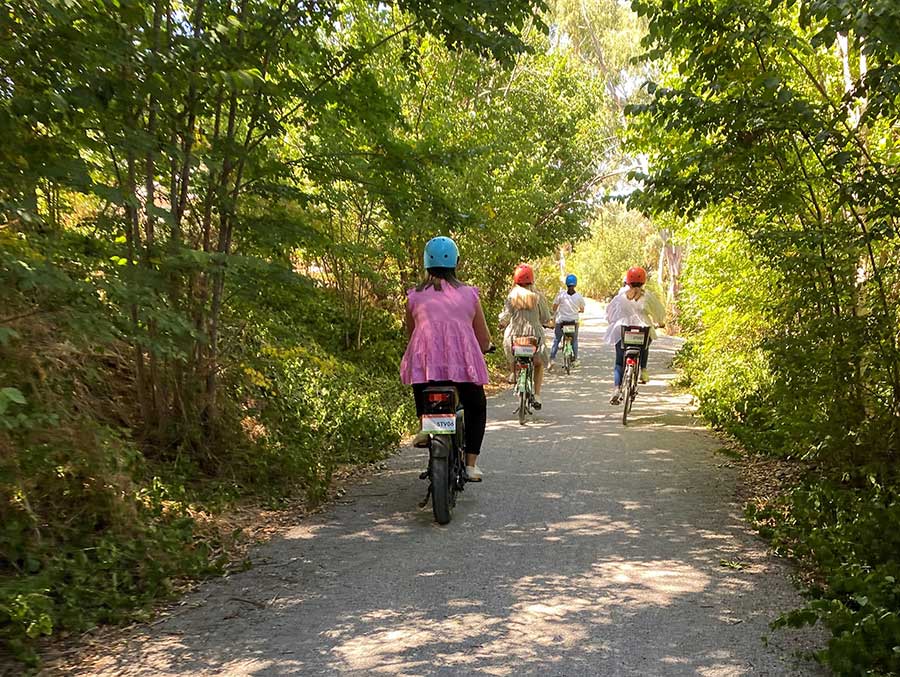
(616, 397)
(536, 402)
(474, 473)
(421, 439)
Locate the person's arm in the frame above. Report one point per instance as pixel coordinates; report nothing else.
(410, 321)
(581, 305)
(613, 309)
(656, 309)
(479, 324)
(505, 315)
(556, 304)
(546, 317)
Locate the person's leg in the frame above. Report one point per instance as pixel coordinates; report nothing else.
(620, 365)
(645, 354)
(419, 395)
(557, 337)
(616, 397)
(575, 342)
(538, 376)
(420, 439)
(474, 403)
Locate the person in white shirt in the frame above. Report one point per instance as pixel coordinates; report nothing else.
(567, 306)
(634, 306)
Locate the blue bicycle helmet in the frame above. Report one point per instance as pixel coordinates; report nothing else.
(441, 252)
(571, 280)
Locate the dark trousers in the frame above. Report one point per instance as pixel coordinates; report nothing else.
(474, 403)
(620, 362)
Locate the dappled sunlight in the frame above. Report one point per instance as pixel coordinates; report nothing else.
(367, 651)
(664, 580)
(591, 525)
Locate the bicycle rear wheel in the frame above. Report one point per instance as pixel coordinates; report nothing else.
(567, 358)
(629, 393)
(523, 407)
(634, 387)
(441, 479)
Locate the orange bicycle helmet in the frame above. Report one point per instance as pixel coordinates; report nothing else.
(524, 274)
(636, 275)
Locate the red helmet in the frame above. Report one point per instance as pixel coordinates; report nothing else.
(636, 275)
(524, 274)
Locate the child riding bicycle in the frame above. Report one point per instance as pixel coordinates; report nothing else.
(524, 315)
(448, 336)
(567, 306)
(635, 306)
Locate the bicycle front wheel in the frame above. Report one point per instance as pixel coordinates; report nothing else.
(441, 479)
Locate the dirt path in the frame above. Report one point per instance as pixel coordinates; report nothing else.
(590, 549)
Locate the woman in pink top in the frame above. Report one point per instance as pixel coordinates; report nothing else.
(447, 338)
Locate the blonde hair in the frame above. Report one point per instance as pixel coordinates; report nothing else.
(522, 298)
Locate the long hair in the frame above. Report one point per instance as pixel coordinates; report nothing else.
(435, 277)
(522, 297)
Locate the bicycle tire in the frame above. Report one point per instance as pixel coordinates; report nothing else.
(441, 480)
(634, 388)
(523, 407)
(567, 359)
(459, 459)
(629, 393)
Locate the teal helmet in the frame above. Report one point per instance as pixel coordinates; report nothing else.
(441, 252)
(571, 280)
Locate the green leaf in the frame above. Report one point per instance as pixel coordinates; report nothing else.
(13, 395)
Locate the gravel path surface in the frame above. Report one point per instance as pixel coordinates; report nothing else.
(589, 549)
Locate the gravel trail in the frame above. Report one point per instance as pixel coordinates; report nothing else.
(589, 549)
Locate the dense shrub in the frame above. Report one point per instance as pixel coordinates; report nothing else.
(96, 523)
(847, 530)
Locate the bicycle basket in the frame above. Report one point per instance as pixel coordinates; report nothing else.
(635, 337)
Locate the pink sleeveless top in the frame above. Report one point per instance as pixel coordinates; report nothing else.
(443, 346)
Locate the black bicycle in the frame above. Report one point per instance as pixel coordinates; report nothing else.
(445, 422)
(635, 340)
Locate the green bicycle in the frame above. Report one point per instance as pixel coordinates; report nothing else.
(524, 349)
(569, 329)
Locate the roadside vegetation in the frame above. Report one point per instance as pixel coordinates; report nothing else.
(771, 136)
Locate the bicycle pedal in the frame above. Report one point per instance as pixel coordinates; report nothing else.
(424, 475)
